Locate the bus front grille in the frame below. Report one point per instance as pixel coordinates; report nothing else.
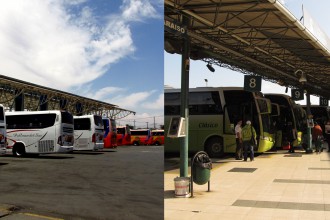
(46, 146)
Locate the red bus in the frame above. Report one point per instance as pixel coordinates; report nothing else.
(110, 133)
(140, 136)
(157, 137)
(123, 135)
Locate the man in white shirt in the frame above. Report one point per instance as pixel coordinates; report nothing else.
(239, 143)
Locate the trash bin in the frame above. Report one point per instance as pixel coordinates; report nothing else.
(181, 185)
(202, 166)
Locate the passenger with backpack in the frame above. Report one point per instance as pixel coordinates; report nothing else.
(249, 138)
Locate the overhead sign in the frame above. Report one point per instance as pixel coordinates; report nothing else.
(175, 28)
(252, 83)
(297, 94)
(324, 101)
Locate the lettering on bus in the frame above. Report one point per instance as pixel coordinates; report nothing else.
(20, 135)
(208, 125)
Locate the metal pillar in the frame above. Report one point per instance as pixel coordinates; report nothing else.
(19, 101)
(43, 103)
(184, 102)
(309, 129)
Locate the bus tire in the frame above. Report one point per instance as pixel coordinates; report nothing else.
(214, 147)
(136, 143)
(157, 143)
(19, 150)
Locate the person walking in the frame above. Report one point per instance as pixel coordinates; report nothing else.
(317, 135)
(291, 136)
(327, 133)
(239, 143)
(249, 138)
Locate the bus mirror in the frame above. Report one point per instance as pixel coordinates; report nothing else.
(177, 127)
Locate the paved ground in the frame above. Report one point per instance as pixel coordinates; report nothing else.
(276, 185)
(121, 184)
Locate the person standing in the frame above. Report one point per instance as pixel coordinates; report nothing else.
(239, 143)
(291, 136)
(317, 137)
(327, 133)
(249, 138)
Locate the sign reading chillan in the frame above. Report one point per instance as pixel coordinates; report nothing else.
(175, 28)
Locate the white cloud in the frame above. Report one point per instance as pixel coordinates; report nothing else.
(135, 10)
(42, 43)
(130, 101)
(157, 104)
(106, 92)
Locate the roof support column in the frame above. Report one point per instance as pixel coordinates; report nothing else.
(19, 100)
(184, 100)
(309, 129)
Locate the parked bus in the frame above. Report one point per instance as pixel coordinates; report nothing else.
(123, 135)
(157, 137)
(213, 114)
(39, 132)
(3, 133)
(291, 119)
(140, 136)
(110, 133)
(88, 132)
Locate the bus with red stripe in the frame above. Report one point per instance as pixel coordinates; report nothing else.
(140, 136)
(157, 137)
(123, 135)
(110, 133)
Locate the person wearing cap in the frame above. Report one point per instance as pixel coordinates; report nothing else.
(249, 138)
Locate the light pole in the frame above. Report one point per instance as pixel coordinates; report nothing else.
(206, 81)
(303, 81)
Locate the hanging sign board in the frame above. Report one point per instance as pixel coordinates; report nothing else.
(297, 94)
(175, 28)
(324, 101)
(252, 83)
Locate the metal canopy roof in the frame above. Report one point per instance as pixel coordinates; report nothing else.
(257, 37)
(35, 95)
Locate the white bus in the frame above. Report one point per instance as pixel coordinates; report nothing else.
(3, 133)
(39, 132)
(213, 114)
(88, 132)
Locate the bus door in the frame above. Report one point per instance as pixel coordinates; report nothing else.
(233, 114)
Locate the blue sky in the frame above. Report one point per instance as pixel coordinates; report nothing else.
(319, 10)
(109, 50)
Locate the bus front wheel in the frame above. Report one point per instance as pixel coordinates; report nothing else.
(214, 147)
(19, 150)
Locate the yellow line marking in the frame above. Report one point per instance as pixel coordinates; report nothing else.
(41, 216)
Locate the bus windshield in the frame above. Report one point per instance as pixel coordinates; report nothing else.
(2, 116)
(82, 124)
(67, 117)
(98, 120)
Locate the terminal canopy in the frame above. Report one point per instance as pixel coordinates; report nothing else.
(32, 97)
(257, 37)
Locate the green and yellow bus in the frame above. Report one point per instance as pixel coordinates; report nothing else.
(292, 118)
(213, 114)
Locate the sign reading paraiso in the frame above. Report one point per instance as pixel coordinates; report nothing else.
(175, 27)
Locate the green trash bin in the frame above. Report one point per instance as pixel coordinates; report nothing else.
(202, 166)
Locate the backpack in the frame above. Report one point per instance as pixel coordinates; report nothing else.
(246, 133)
